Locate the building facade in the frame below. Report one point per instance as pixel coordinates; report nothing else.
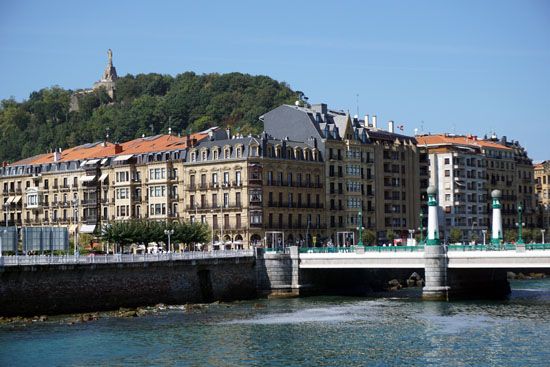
(368, 170)
(542, 189)
(465, 169)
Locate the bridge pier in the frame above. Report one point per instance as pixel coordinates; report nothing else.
(435, 274)
(435, 255)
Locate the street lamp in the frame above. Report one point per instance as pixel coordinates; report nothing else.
(360, 227)
(542, 232)
(6, 212)
(411, 233)
(421, 228)
(168, 232)
(484, 231)
(307, 231)
(520, 224)
(75, 206)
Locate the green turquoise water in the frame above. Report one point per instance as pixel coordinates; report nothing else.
(316, 331)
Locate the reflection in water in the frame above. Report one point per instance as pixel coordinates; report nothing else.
(317, 331)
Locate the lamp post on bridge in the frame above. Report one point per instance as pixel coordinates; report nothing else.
(484, 231)
(542, 232)
(520, 224)
(411, 233)
(421, 228)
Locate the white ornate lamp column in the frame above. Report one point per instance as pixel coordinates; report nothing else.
(496, 232)
(435, 255)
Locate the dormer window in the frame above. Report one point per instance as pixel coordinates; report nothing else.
(216, 153)
(254, 151)
(204, 155)
(193, 157)
(226, 153)
(239, 152)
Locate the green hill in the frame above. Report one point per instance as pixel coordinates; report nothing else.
(143, 104)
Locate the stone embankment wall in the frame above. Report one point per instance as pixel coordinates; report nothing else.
(274, 273)
(55, 289)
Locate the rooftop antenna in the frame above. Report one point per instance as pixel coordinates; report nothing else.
(107, 134)
(422, 125)
(357, 101)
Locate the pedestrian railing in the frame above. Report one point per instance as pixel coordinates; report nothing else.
(326, 250)
(394, 248)
(121, 258)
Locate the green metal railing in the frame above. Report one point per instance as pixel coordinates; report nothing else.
(419, 248)
(326, 250)
(394, 248)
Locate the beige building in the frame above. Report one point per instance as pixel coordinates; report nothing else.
(248, 190)
(542, 189)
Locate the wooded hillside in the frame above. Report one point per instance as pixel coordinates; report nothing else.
(143, 104)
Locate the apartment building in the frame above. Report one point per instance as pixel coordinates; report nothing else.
(256, 189)
(458, 171)
(367, 169)
(542, 189)
(466, 169)
(524, 183)
(95, 183)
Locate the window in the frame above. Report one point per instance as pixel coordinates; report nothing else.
(225, 200)
(122, 176)
(215, 178)
(157, 173)
(447, 161)
(238, 198)
(157, 209)
(238, 178)
(157, 191)
(226, 178)
(122, 193)
(447, 173)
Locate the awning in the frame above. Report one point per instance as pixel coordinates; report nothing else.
(10, 199)
(103, 177)
(122, 158)
(16, 199)
(86, 178)
(87, 228)
(91, 161)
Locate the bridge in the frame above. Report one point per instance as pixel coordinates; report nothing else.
(412, 257)
(450, 271)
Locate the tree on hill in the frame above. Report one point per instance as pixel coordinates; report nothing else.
(143, 104)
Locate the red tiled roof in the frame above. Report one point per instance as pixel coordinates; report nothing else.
(151, 144)
(441, 139)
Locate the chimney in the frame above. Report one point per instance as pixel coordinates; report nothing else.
(118, 148)
(374, 121)
(390, 126)
(5, 164)
(57, 155)
(193, 142)
(188, 140)
(228, 132)
(367, 122)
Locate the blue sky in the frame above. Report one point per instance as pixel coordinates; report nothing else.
(438, 66)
